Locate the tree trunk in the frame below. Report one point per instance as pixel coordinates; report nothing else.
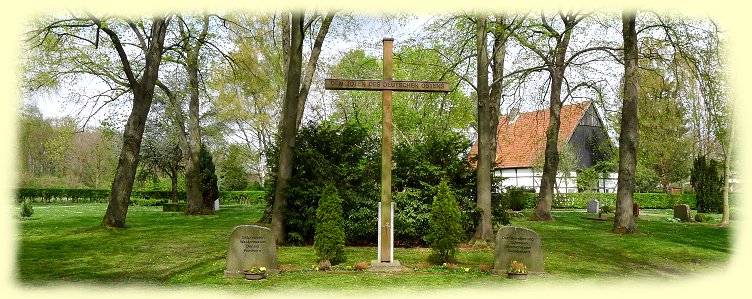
(725, 218)
(311, 67)
(193, 169)
(484, 231)
(143, 93)
(288, 128)
(551, 155)
(174, 186)
(624, 219)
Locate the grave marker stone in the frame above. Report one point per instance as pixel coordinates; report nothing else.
(593, 206)
(251, 246)
(518, 244)
(682, 212)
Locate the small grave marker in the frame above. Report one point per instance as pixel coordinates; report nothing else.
(251, 246)
(682, 212)
(518, 244)
(593, 206)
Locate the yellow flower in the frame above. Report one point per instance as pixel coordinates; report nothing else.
(467, 269)
(262, 269)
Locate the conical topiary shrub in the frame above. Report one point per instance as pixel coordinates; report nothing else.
(445, 228)
(329, 240)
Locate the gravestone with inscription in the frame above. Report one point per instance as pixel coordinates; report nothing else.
(518, 244)
(682, 212)
(593, 206)
(251, 246)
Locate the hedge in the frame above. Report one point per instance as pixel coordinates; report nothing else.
(103, 195)
(646, 200)
(242, 197)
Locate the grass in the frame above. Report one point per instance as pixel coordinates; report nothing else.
(64, 243)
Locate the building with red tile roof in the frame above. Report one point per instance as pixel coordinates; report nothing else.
(520, 144)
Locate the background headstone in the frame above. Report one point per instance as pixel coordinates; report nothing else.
(682, 212)
(593, 206)
(216, 204)
(251, 246)
(518, 244)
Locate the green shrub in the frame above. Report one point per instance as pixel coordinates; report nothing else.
(445, 232)
(26, 209)
(329, 240)
(518, 197)
(86, 195)
(147, 202)
(646, 200)
(708, 185)
(295, 239)
(348, 156)
(410, 216)
(343, 154)
(500, 203)
(242, 197)
(703, 218)
(209, 187)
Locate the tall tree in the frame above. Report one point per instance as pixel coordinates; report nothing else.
(288, 128)
(624, 218)
(457, 53)
(551, 45)
(296, 91)
(192, 37)
(250, 94)
(695, 60)
(665, 142)
(138, 47)
(160, 152)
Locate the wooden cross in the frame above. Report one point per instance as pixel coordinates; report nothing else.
(386, 86)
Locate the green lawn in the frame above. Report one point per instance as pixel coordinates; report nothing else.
(63, 243)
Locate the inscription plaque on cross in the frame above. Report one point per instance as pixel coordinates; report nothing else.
(386, 85)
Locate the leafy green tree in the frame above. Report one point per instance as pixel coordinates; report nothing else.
(445, 232)
(329, 240)
(231, 168)
(123, 54)
(160, 152)
(665, 142)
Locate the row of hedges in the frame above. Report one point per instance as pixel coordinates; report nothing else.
(242, 197)
(148, 197)
(646, 200)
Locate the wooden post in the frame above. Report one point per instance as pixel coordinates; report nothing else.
(386, 158)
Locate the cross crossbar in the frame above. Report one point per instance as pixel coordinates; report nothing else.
(355, 84)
